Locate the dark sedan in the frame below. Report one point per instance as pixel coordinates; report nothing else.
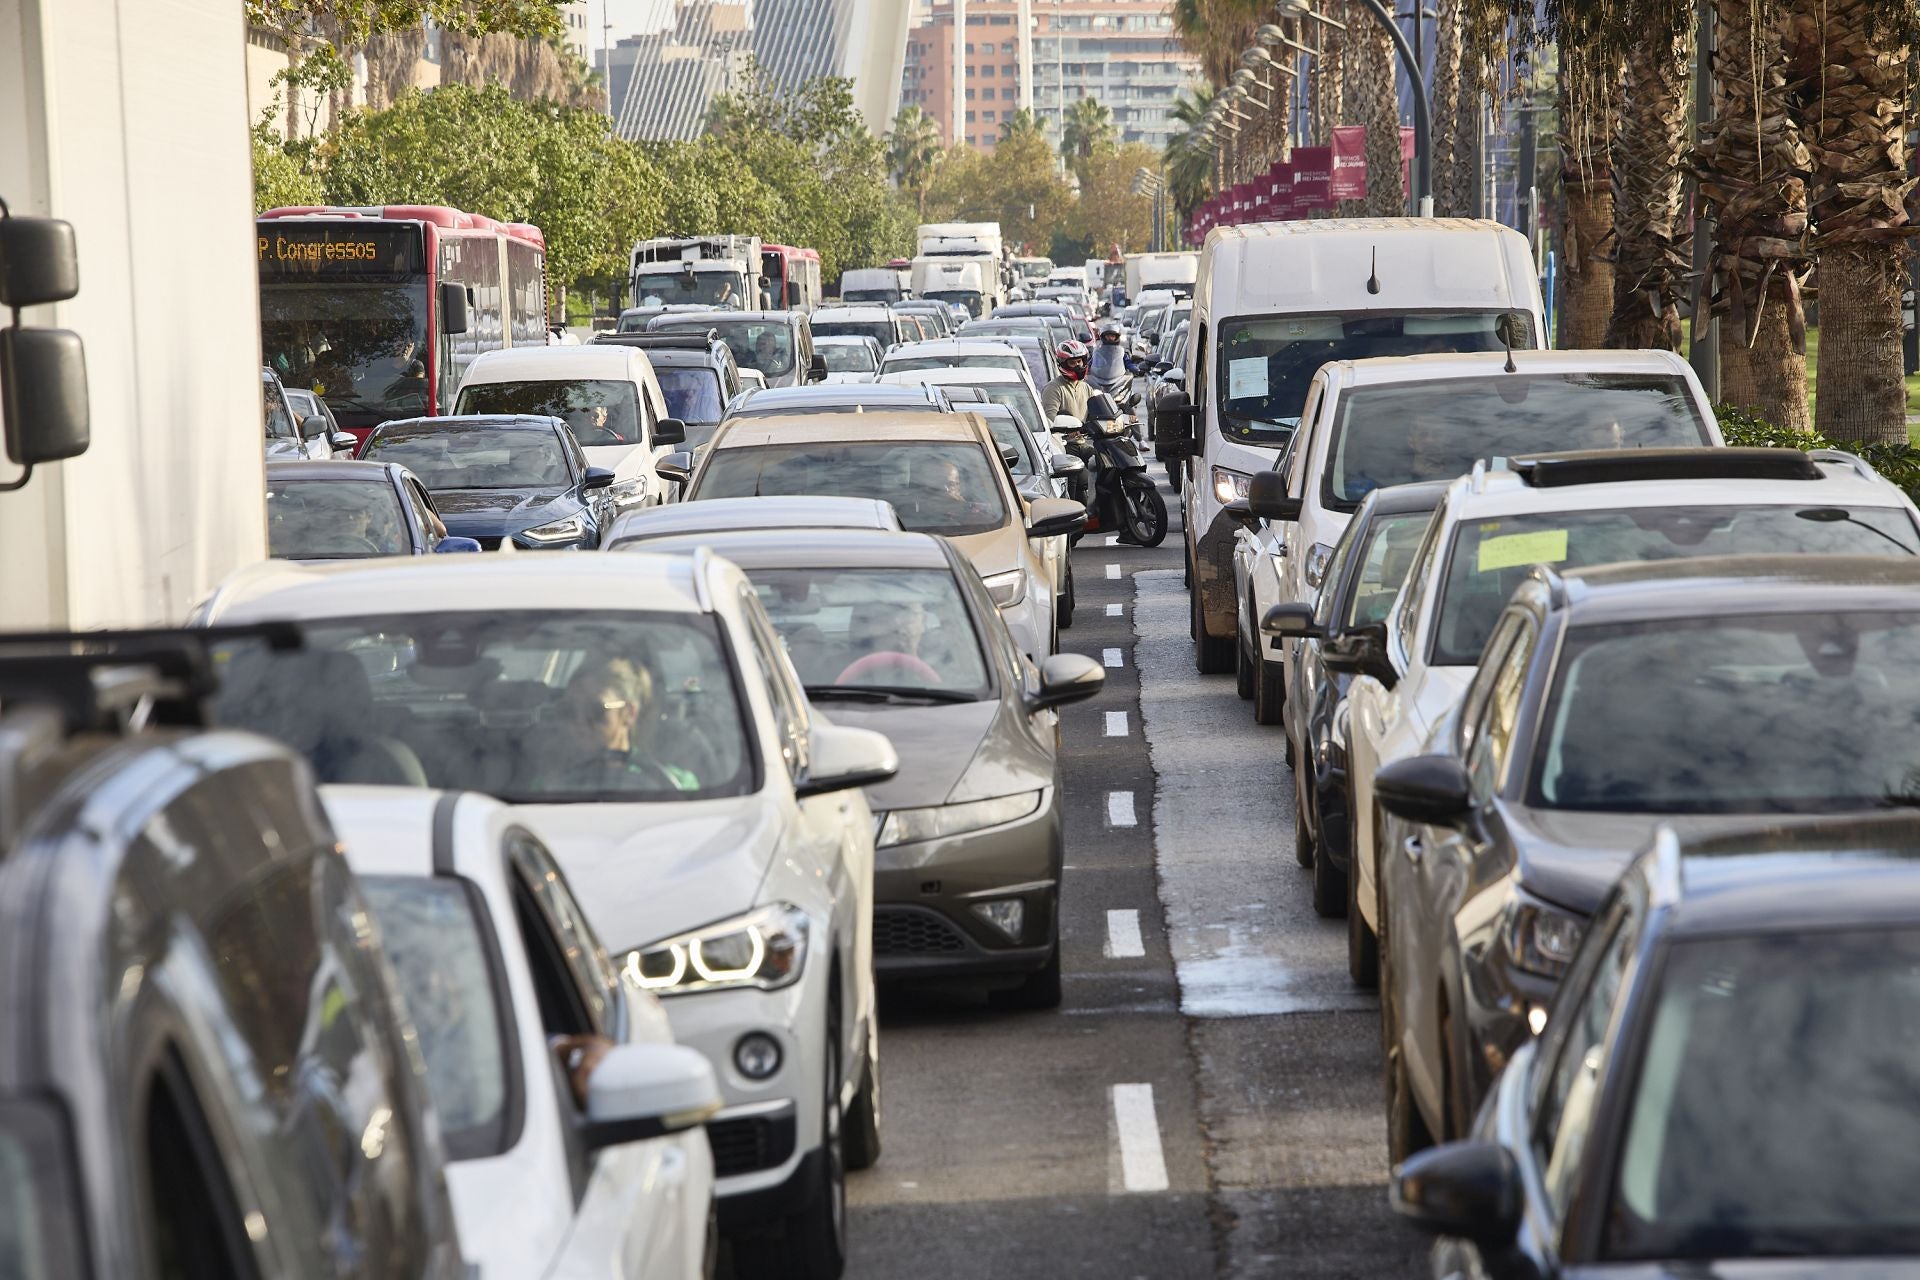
(1705, 694)
(1364, 577)
(352, 511)
(1725, 1083)
(504, 481)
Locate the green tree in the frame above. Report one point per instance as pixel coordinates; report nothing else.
(1086, 131)
(1108, 212)
(913, 149)
(1023, 124)
(1189, 157)
(281, 176)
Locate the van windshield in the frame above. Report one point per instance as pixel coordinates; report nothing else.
(1266, 362)
(600, 410)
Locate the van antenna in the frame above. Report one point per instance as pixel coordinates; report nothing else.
(1505, 327)
(1373, 272)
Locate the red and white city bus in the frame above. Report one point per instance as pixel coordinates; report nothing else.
(791, 276)
(380, 310)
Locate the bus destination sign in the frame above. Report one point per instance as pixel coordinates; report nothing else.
(293, 250)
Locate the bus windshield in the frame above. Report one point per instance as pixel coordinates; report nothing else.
(360, 347)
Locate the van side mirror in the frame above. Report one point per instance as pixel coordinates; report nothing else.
(453, 307)
(43, 372)
(38, 262)
(1174, 418)
(669, 431)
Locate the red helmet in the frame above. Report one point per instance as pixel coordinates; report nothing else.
(1073, 357)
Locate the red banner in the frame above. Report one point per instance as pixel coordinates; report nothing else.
(1312, 171)
(1347, 167)
(1282, 206)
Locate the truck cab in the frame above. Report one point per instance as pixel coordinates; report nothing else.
(711, 271)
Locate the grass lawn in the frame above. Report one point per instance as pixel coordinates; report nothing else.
(1813, 384)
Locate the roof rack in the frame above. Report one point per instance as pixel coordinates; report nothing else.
(1840, 457)
(658, 341)
(121, 681)
(1613, 466)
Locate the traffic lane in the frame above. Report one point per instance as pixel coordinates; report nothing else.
(1066, 1142)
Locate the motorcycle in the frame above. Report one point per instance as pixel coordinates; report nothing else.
(1114, 486)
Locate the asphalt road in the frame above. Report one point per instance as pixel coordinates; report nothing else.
(1207, 1102)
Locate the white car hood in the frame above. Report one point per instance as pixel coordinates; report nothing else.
(647, 871)
(625, 460)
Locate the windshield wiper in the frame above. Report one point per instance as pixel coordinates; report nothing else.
(884, 693)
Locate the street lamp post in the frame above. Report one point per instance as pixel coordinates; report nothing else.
(1422, 115)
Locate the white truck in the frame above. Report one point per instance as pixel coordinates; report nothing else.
(967, 242)
(709, 271)
(1172, 271)
(965, 282)
(98, 127)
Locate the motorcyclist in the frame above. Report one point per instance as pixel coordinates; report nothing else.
(1067, 393)
(1108, 369)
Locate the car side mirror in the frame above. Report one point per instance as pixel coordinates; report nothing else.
(454, 545)
(1055, 518)
(1064, 678)
(1267, 497)
(1010, 456)
(642, 1091)
(817, 368)
(1065, 464)
(1361, 651)
(677, 466)
(840, 758)
(1067, 422)
(1433, 790)
(1175, 374)
(342, 441)
(312, 427)
(1466, 1189)
(1290, 622)
(669, 431)
(596, 478)
(453, 307)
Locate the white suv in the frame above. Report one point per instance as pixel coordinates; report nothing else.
(1571, 510)
(484, 933)
(1369, 424)
(640, 713)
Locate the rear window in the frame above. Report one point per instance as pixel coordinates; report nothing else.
(881, 331)
(935, 487)
(912, 364)
(692, 395)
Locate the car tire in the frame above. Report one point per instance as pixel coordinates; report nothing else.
(1406, 1132)
(1269, 692)
(1038, 990)
(1303, 842)
(811, 1242)
(861, 1132)
(1212, 655)
(1186, 578)
(1244, 670)
(1066, 600)
(1363, 949)
(1329, 887)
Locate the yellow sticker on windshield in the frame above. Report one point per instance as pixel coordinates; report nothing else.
(1549, 546)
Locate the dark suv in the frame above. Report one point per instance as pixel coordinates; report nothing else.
(697, 373)
(203, 1071)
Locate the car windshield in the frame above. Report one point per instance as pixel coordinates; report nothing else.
(846, 357)
(1385, 552)
(936, 487)
(766, 345)
(1013, 395)
(360, 347)
(1775, 713)
(1773, 1115)
(971, 302)
(910, 364)
(898, 629)
(1267, 362)
(536, 706)
(474, 457)
(707, 288)
(881, 331)
(1492, 557)
(334, 520)
(600, 411)
(433, 940)
(1007, 434)
(870, 295)
(1412, 431)
(636, 321)
(693, 396)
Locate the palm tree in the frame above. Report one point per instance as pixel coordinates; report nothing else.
(1649, 184)
(1752, 167)
(1854, 89)
(1450, 155)
(1215, 31)
(1087, 129)
(1022, 123)
(1374, 96)
(1589, 91)
(913, 149)
(1189, 160)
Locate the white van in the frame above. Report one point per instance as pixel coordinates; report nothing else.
(608, 395)
(871, 284)
(1277, 300)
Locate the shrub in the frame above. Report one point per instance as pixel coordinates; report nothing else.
(1899, 463)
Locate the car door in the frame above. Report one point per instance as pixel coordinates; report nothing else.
(1292, 536)
(428, 525)
(1258, 554)
(630, 1198)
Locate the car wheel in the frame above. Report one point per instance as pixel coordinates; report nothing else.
(1066, 600)
(862, 1140)
(811, 1242)
(1406, 1131)
(1303, 844)
(1363, 949)
(1213, 656)
(1243, 670)
(1329, 887)
(1186, 577)
(1269, 692)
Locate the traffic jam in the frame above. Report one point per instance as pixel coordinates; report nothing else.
(1538, 901)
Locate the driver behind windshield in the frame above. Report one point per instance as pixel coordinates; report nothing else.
(604, 719)
(940, 494)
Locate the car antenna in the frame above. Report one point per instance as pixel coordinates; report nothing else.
(1373, 272)
(1506, 335)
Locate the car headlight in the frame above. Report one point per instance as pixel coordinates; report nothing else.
(571, 529)
(1540, 939)
(1317, 559)
(766, 948)
(1229, 486)
(1007, 589)
(906, 826)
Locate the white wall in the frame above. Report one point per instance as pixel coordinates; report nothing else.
(128, 118)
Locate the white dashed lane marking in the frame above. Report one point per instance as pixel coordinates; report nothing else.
(1120, 809)
(1137, 1129)
(1113, 611)
(1111, 658)
(1123, 935)
(1116, 724)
